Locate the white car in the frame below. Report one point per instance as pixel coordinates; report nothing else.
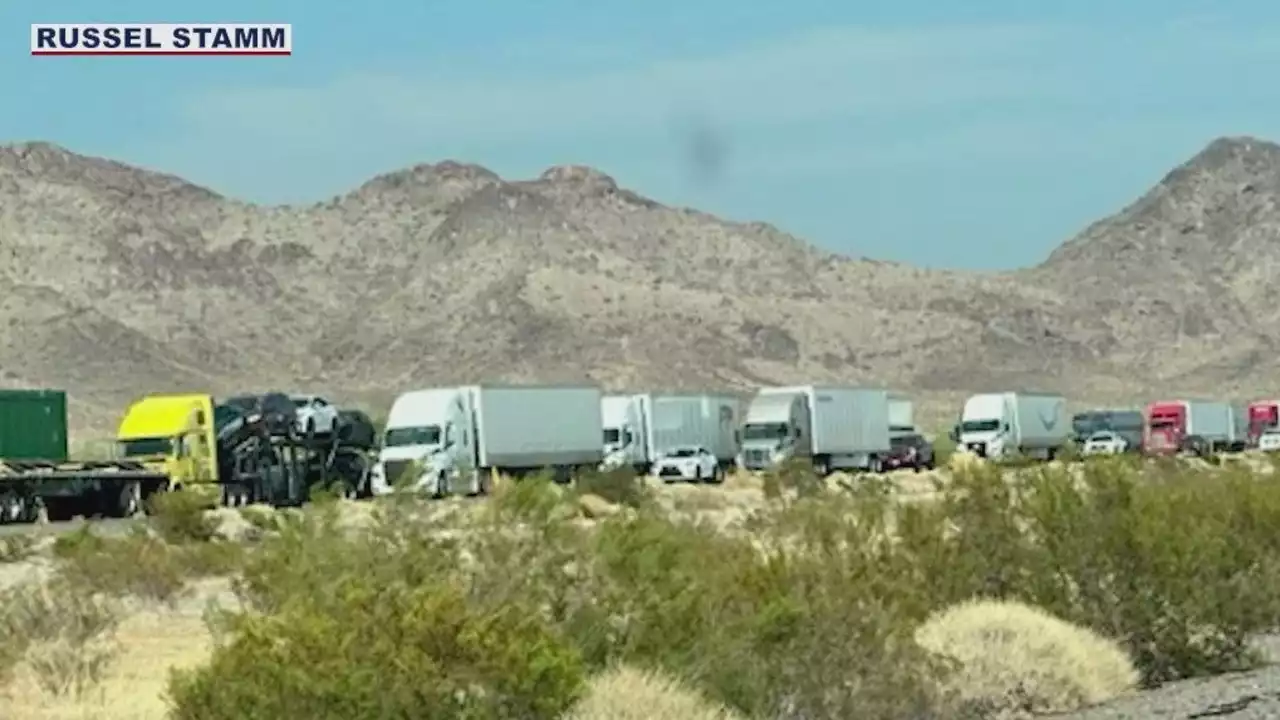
(1269, 441)
(1105, 443)
(687, 463)
(316, 416)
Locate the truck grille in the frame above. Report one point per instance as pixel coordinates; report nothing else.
(755, 459)
(396, 469)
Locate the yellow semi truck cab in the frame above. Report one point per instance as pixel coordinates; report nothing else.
(173, 434)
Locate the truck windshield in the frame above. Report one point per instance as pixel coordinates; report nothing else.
(224, 415)
(972, 426)
(612, 435)
(146, 446)
(399, 437)
(765, 431)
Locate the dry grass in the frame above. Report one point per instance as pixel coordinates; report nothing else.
(149, 643)
(1014, 658)
(627, 693)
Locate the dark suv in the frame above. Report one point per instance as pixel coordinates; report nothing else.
(911, 450)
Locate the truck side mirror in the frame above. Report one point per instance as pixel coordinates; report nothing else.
(954, 433)
(1004, 427)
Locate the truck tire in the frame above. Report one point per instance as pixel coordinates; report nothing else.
(123, 501)
(480, 482)
(821, 466)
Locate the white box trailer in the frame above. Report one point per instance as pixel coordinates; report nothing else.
(639, 428)
(837, 427)
(902, 417)
(709, 421)
(533, 427)
(446, 438)
(1002, 424)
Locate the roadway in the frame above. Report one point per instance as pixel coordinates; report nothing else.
(108, 527)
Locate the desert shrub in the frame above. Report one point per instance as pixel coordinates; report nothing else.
(139, 563)
(814, 612)
(63, 632)
(16, 548)
(180, 517)
(385, 651)
(626, 693)
(804, 628)
(620, 486)
(1009, 657)
(792, 476)
(1182, 565)
(943, 447)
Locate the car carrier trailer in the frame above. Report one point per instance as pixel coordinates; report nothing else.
(170, 442)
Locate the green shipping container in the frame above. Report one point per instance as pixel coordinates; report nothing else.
(33, 425)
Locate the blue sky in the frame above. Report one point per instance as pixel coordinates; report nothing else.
(934, 133)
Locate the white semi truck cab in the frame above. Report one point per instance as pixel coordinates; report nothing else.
(774, 430)
(985, 425)
(625, 432)
(999, 425)
(428, 443)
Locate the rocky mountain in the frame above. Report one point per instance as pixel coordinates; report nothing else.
(120, 281)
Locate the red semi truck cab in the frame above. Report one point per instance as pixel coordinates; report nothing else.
(1263, 415)
(1165, 427)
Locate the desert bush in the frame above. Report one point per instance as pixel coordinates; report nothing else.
(16, 548)
(626, 693)
(181, 517)
(803, 629)
(813, 613)
(1011, 658)
(620, 486)
(1180, 565)
(63, 632)
(139, 564)
(792, 476)
(943, 447)
(385, 651)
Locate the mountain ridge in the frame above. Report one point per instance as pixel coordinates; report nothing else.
(132, 281)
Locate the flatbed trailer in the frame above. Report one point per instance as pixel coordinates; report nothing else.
(111, 488)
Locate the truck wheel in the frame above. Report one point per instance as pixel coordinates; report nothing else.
(10, 508)
(27, 510)
(717, 475)
(480, 483)
(124, 501)
(821, 468)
